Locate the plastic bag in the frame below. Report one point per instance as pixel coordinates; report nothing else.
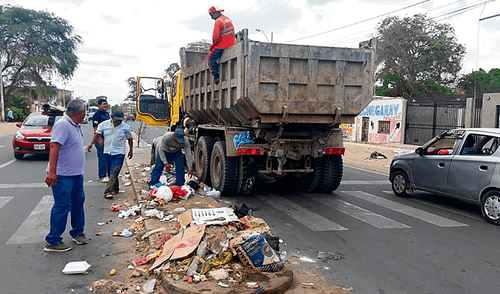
(165, 193)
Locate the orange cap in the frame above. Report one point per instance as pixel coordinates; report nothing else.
(213, 9)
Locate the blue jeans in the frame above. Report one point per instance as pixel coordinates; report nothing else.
(113, 167)
(178, 159)
(68, 197)
(101, 161)
(213, 62)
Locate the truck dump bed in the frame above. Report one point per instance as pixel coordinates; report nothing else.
(262, 83)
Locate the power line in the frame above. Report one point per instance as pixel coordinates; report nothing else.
(356, 23)
(270, 12)
(256, 13)
(239, 15)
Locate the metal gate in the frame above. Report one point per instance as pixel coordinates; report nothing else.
(425, 120)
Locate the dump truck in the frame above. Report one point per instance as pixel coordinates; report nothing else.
(276, 111)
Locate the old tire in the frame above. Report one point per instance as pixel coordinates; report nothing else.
(400, 184)
(246, 176)
(18, 155)
(223, 169)
(333, 173)
(490, 207)
(202, 157)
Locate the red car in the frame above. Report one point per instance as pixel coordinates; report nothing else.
(33, 137)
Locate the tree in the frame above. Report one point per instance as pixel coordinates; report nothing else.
(132, 85)
(169, 74)
(200, 46)
(420, 52)
(480, 82)
(34, 47)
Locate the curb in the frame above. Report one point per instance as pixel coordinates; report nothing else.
(272, 282)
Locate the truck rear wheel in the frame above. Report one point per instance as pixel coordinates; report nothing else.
(223, 169)
(246, 176)
(333, 173)
(311, 182)
(202, 157)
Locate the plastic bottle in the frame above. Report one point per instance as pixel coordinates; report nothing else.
(149, 286)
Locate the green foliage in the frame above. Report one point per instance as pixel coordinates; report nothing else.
(132, 85)
(422, 52)
(92, 102)
(480, 82)
(18, 105)
(35, 46)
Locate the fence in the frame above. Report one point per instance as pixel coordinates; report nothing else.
(425, 120)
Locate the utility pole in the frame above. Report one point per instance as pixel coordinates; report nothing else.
(1, 97)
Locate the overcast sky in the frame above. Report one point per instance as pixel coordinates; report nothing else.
(127, 38)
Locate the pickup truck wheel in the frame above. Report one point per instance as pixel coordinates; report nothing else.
(400, 184)
(333, 173)
(18, 155)
(202, 156)
(223, 169)
(490, 207)
(246, 176)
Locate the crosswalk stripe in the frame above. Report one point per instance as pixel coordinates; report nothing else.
(7, 163)
(42, 185)
(362, 214)
(302, 215)
(374, 182)
(36, 225)
(407, 210)
(442, 207)
(4, 200)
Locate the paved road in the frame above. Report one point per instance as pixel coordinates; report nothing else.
(25, 203)
(421, 244)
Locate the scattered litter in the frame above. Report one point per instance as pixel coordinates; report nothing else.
(223, 285)
(179, 209)
(76, 267)
(98, 234)
(89, 181)
(128, 183)
(112, 272)
(147, 168)
(377, 155)
(115, 208)
(219, 274)
(149, 286)
(347, 289)
(308, 284)
(328, 255)
(102, 223)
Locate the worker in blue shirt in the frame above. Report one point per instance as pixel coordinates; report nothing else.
(100, 116)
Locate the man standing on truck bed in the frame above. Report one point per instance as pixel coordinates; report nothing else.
(222, 38)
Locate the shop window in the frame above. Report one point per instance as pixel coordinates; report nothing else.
(384, 127)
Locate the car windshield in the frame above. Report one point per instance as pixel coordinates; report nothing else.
(41, 120)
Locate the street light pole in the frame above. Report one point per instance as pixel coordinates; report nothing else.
(1, 97)
(262, 31)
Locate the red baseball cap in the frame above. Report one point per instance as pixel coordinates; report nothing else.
(213, 9)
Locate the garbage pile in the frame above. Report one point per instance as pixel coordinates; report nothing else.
(191, 238)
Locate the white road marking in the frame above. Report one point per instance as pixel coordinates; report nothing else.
(302, 215)
(1, 146)
(36, 225)
(362, 214)
(407, 210)
(7, 163)
(374, 182)
(40, 185)
(455, 211)
(4, 200)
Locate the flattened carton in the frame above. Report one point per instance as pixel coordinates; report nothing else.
(258, 254)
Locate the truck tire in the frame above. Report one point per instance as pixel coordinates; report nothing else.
(223, 169)
(246, 176)
(333, 173)
(202, 157)
(312, 182)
